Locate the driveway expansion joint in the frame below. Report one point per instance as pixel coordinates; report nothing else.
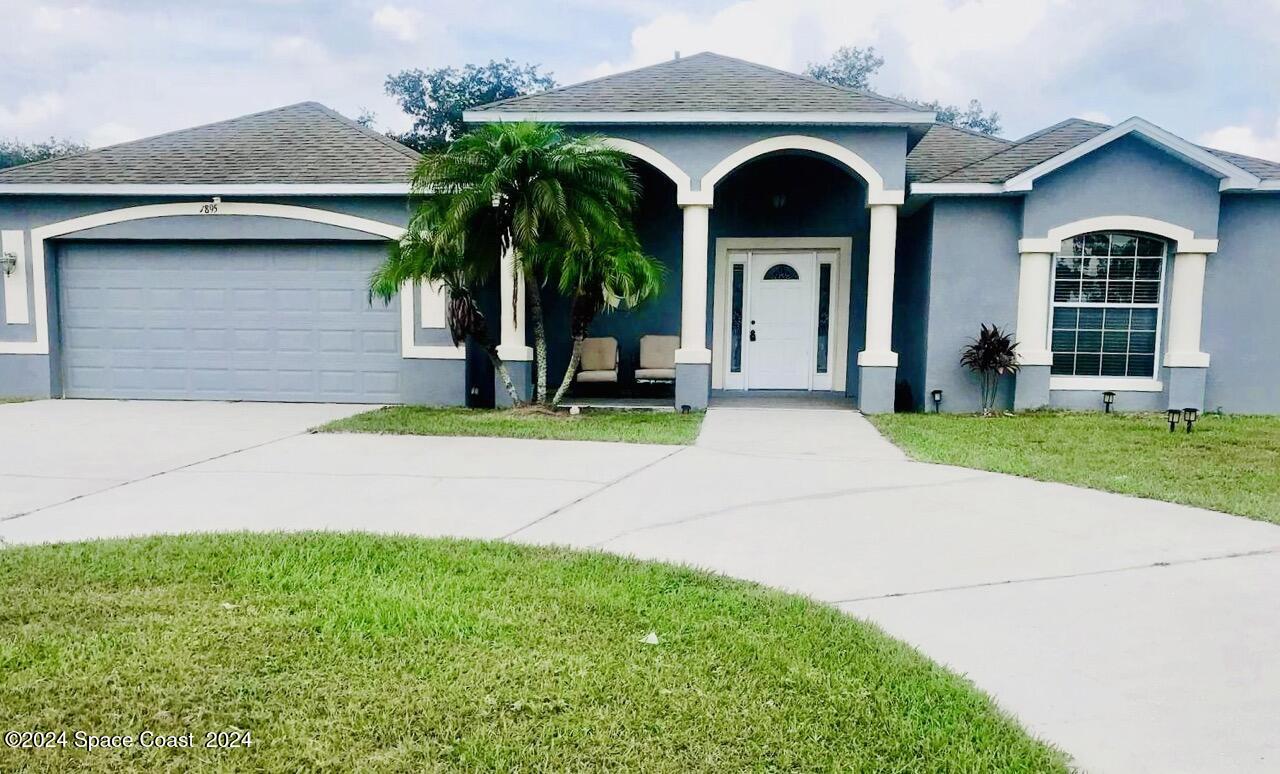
(1158, 565)
(562, 508)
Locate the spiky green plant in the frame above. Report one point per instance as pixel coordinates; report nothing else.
(991, 355)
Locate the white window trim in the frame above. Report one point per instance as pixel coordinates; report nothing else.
(213, 208)
(1096, 383)
(837, 344)
(1116, 383)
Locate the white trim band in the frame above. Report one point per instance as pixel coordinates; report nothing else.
(1187, 241)
(208, 189)
(699, 117)
(693, 355)
(1102, 383)
(1186, 360)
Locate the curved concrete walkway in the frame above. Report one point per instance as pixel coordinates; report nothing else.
(1137, 635)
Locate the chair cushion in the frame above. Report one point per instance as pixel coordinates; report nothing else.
(656, 374)
(598, 376)
(658, 352)
(600, 354)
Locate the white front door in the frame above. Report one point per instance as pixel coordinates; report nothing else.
(780, 321)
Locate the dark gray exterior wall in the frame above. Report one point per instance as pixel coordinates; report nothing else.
(1241, 325)
(911, 307)
(1127, 177)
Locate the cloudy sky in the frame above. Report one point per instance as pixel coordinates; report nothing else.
(104, 71)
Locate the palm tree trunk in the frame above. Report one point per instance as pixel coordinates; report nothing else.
(534, 293)
(500, 368)
(574, 358)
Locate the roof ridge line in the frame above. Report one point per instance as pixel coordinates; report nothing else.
(94, 151)
(809, 79)
(1034, 135)
(364, 130)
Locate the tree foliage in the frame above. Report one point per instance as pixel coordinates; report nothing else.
(853, 67)
(849, 66)
(554, 200)
(436, 98)
(13, 152)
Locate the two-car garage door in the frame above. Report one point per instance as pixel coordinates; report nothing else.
(226, 321)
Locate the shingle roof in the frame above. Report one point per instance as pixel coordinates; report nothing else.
(702, 82)
(945, 148)
(1026, 153)
(1038, 147)
(1266, 170)
(303, 143)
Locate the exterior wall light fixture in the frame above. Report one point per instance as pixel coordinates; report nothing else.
(8, 262)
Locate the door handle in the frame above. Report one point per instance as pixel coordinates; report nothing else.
(752, 337)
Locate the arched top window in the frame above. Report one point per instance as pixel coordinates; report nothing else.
(781, 271)
(1107, 292)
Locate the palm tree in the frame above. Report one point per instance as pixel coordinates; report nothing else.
(423, 256)
(520, 187)
(613, 272)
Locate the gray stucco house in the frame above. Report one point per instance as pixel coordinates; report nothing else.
(817, 238)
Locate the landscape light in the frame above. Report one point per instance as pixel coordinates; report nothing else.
(1108, 398)
(937, 401)
(1191, 415)
(1175, 416)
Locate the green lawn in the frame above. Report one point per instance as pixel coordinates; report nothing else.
(1229, 463)
(13, 400)
(354, 652)
(665, 427)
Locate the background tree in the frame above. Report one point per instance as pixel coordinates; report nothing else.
(436, 98)
(850, 67)
(13, 152)
(853, 67)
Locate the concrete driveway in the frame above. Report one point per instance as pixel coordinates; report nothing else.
(1138, 636)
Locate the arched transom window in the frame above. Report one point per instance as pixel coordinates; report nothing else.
(781, 271)
(1107, 291)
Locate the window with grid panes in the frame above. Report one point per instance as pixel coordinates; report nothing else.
(1107, 291)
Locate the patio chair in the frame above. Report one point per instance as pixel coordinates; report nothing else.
(599, 361)
(657, 359)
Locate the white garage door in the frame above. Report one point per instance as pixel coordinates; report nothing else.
(226, 321)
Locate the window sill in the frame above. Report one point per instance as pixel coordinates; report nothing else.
(1100, 383)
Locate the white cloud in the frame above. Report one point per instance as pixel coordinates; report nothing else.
(30, 111)
(297, 48)
(1244, 139)
(1097, 116)
(112, 133)
(403, 24)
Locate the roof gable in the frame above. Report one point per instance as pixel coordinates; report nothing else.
(1231, 175)
(1016, 167)
(302, 144)
(703, 83)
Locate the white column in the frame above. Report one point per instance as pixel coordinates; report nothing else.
(1186, 301)
(1032, 332)
(514, 342)
(881, 249)
(693, 287)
